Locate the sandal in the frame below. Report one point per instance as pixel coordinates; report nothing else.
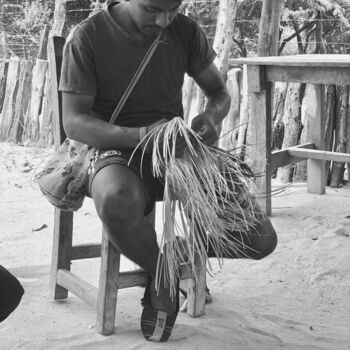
(156, 325)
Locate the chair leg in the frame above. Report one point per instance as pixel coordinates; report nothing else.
(196, 292)
(108, 287)
(61, 250)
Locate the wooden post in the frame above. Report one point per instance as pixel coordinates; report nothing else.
(61, 250)
(259, 130)
(196, 291)
(108, 286)
(316, 172)
(63, 221)
(46, 116)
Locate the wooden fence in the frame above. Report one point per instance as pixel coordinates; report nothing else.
(25, 113)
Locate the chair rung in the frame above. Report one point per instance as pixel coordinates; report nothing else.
(132, 278)
(85, 251)
(77, 286)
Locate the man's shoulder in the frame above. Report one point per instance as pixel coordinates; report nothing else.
(87, 27)
(185, 21)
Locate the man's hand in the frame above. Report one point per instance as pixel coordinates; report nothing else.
(205, 129)
(180, 143)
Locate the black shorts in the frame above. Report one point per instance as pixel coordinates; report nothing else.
(140, 165)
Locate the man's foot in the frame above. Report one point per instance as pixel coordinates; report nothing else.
(159, 312)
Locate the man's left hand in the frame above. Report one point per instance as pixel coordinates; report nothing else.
(205, 129)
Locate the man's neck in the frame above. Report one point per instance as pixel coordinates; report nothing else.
(121, 15)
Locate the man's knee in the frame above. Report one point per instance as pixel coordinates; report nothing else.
(11, 292)
(266, 240)
(120, 207)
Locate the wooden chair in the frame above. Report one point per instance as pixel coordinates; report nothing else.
(62, 280)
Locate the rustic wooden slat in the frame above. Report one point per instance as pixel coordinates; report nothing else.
(38, 84)
(132, 278)
(82, 289)
(55, 51)
(283, 157)
(310, 60)
(8, 109)
(319, 155)
(22, 100)
(46, 116)
(86, 251)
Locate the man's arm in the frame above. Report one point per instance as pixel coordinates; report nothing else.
(219, 100)
(80, 125)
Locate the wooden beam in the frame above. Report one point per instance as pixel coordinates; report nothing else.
(307, 74)
(77, 286)
(133, 278)
(283, 157)
(86, 251)
(319, 155)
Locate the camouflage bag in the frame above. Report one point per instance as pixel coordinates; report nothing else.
(63, 178)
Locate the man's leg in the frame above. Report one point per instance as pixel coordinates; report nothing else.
(257, 243)
(120, 198)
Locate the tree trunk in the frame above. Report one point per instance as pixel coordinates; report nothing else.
(260, 122)
(280, 93)
(187, 96)
(4, 65)
(330, 116)
(42, 52)
(230, 125)
(308, 113)
(222, 46)
(243, 115)
(293, 126)
(67, 14)
(341, 137)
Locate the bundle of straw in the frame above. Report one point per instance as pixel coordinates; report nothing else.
(213, 193)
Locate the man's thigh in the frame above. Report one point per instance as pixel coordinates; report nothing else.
(113, 170)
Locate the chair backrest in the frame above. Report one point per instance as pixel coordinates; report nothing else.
(55, 52)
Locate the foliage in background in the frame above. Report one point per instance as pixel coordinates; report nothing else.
(300, 22)
(23, 23)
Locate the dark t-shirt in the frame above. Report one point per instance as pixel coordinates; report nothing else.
(100, 58)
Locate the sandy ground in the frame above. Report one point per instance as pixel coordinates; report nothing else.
(297, 298)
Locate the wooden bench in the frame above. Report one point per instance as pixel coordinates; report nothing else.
(262, 72)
